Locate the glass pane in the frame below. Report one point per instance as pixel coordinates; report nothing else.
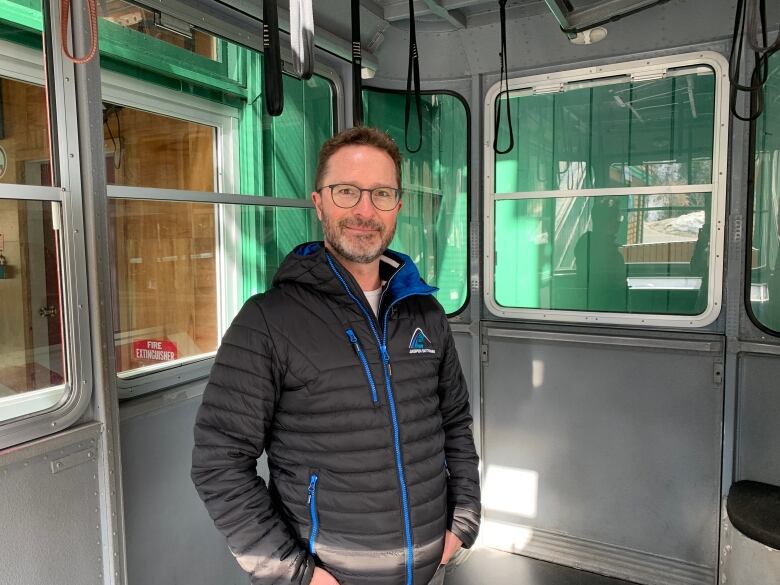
(25, 155)
(611, 134)
(149, 150)
(765, 273)
(628, 254)
(117, 15)
(433, 223)
(166, 280)
(292, 141)
(167, 276)
(263, 237)
(277, 156)
(32, 359)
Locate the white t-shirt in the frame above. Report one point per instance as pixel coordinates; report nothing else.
(372, 296)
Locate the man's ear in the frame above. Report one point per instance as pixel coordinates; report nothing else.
(316, 198)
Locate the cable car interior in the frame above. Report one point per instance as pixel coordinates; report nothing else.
(592, 185)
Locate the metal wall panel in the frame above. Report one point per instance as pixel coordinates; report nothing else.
(49, 518)
(537, 41)
(170, 536)
(609, 449)
(758, 413)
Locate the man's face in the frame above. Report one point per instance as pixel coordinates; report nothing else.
(361, 233)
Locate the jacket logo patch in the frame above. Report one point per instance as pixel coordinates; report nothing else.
(420, 343)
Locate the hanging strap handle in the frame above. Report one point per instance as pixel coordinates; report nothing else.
(272, 64)
(357, 66)
(413, 74)
(302, 38)
(755, 13)
(503, 89)
(747, 17)
(65, 10)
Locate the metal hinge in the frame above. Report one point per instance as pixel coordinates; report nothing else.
(648, 75)
(717, 374)
(552, 88)
(483, 352)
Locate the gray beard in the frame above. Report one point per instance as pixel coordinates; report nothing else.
(358, 254)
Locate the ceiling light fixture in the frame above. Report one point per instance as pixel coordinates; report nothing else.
(590, 36)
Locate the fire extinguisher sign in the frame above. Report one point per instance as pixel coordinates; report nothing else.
(155, 350)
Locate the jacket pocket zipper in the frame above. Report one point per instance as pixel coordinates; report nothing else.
(362, 356)
(315, 523)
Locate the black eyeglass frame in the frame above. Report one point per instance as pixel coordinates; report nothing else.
(370, 195)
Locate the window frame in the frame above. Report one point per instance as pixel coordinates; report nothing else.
(635, 70)
(467, 109)
(26, 64)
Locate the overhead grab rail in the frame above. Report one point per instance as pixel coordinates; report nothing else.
(272, 64)
(65, 10)
(503, 89)
(357, 67)
(750, 15)
(302, 38)
(413, 75)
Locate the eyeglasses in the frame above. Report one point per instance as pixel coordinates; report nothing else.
(346, 196)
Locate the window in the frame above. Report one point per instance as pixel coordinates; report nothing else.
(33, 368)
(433, 223)
(208, 193)
(609, 207)
(765, 244)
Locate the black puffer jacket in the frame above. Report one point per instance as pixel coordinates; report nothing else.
(365, 422)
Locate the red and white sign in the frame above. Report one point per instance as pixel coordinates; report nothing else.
(155, 350)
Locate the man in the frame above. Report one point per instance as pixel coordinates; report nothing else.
(345, 373)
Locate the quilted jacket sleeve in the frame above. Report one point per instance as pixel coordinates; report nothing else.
(463, 494)
(231, 428)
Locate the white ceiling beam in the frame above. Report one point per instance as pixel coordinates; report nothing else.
(399, 10)
(454, 17)
(373, 8)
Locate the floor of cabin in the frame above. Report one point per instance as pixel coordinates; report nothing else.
(492, 567)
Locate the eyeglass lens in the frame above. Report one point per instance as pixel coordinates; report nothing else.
(383, 198)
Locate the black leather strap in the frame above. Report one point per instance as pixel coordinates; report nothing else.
(357, 66)
(503, 90)
(413, 75)
(272, 63)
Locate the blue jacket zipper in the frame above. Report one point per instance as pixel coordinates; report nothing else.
(382, 343)
(354, 341)
(315, 523)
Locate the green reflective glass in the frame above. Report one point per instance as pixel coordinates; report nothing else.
(292, 141)
(626, 254)
(267, 235)
(433, 222)
(611, 134)
(765, 249)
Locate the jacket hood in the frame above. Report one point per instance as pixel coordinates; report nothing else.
(312, 265)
